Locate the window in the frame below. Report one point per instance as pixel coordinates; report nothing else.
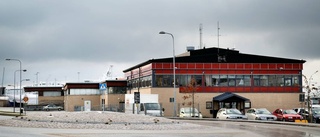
(288, 81)
(198, 80)
(295, 80)
(232, 80)
(239, 80)
(85, 91)
(272, 80)
(159, 81)
(52, 93)
(183, 80)
(215, 80)
(264, 80)
(117, 90)
(208, 81)
(247, 80)
(223, 80)
(280, 80)
(167, 81)
(256, 80)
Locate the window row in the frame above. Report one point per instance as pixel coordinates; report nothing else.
(144, 82)
(227, 80)
(216, 80)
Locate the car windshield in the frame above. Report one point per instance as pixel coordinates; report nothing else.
(190, 110)
(152, 106)
(316, 111)
(262, 111)
(233, 111)
(289, 112)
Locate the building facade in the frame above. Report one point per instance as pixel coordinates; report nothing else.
(201, 75)
(81, 96)
(46, 95)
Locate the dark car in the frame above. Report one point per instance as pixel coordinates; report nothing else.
(287, 115)
(303, 112)
(316, 115)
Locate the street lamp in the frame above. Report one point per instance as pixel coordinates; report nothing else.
(20, 77)
(174, 74)
(14, 89)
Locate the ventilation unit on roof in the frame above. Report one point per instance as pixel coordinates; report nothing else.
(189, 48)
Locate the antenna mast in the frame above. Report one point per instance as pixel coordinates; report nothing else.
(200, 29)
(218, 37)
(4, 69)
(109, 73)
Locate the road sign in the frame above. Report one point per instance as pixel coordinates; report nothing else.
(25, 99)
(103, 86)
(301, 97)
(136, 97)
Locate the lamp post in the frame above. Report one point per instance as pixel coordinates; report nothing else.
(37, 79)
(174, 74)
(309, 101)
(20, 77)
(14, 89)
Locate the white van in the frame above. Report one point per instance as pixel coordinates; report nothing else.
(152, 109)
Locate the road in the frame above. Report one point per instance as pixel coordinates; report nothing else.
(219, 129)
(264, 129)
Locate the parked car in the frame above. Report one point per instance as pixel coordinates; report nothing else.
(230, 113)
(260, 114)
(287, 115)
(303, 112)
(52, 107)
(316, 115)
(188, 112)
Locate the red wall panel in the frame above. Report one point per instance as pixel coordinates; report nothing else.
(207, 66)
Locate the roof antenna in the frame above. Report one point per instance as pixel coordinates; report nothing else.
(218, 37)
(200, 29)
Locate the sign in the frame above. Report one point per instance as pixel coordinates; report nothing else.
(102, 86)
(25, 99)
(136, 97)
(301, 97)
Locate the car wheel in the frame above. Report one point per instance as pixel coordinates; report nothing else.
(47, 109)
(284, 120)
(59, 109)
(257, 118)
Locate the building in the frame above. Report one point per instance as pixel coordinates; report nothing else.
(107, 95)
(44, 95)
(212, 78)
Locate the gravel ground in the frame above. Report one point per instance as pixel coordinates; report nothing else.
(97, 120)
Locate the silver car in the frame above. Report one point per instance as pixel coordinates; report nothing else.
(260, 114)
(52, 107)
(230, 113)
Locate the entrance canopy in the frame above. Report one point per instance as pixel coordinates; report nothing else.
(229, 97)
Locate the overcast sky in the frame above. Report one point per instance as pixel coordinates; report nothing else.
(71, 40)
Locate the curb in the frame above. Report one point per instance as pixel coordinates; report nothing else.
(253, 121)
(6, 113)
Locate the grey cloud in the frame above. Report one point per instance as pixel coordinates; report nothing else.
(126, 31)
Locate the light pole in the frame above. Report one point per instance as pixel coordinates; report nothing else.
(14, 89)
(20, 78)
(37, 79)
(174, 74)
(309, 101)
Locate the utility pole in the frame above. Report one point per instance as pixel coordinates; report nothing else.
(200, 29)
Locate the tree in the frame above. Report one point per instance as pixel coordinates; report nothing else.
(190, 89)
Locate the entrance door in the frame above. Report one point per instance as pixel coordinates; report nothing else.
(87, 105)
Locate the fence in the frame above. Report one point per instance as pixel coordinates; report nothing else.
(110, 107)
